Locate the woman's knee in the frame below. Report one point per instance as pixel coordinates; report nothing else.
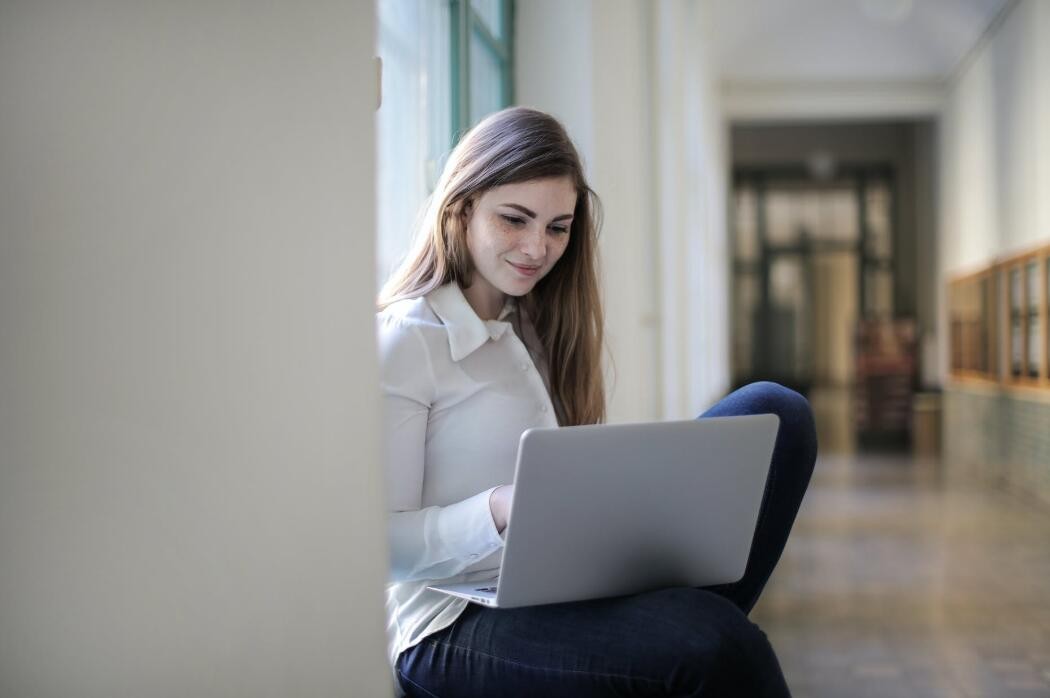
(793, 410)
(745, 664)
(767, 396)
(720, 649)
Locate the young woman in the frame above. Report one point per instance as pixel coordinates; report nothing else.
(491, 326)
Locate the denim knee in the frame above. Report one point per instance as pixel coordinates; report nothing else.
(796, 416)
(723, 654)
(747, 664)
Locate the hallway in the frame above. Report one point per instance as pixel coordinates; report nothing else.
(899, 581)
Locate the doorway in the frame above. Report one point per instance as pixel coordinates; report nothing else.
(811, 257)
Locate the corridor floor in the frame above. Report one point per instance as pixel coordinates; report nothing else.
(898, 581)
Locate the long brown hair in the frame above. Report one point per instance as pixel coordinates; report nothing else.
(516, 145)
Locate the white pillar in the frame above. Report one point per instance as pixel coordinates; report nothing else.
(190, 494)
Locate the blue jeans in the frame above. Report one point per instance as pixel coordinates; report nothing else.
(672, 642)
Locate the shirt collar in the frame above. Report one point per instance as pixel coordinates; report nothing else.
(466, 331)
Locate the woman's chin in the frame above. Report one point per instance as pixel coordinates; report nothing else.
(519, 287)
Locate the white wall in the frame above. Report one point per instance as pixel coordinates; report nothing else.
(189, 498)
(995, 150)
(630, 81)
(691, 136)
(553, 64)
(621, 171)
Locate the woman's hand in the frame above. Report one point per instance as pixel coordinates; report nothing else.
(499, 505)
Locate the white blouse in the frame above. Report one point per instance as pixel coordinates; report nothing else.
(457, 393)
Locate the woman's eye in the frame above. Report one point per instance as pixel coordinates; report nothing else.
(559, 229)
(513, 220)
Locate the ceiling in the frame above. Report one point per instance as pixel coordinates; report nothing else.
(900, 52)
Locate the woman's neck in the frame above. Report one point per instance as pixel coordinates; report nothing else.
(486, 300)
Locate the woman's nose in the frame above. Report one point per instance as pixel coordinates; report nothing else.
(534, 244)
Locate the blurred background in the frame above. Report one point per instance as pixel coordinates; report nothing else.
(198, 203)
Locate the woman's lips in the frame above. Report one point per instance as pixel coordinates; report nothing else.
(525, 270)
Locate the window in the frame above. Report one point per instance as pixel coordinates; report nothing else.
(877, 296)
(810, 258)
(1016, 323)
(1027, 309)
(1033, 334)
(1019, 287)
(482, 83)
(446, 65)
(971, 308)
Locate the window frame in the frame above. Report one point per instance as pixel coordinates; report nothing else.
(465, 23)
(966, 370)
(1020, 263)
(432, 54)
(1000, 341)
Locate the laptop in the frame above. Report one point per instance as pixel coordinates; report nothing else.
(614, 509)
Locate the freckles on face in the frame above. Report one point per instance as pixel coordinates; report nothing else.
(516, 233)
(509, 233)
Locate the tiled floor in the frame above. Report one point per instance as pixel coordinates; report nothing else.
(900, 581)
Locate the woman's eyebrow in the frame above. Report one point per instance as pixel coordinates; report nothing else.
(530, 214)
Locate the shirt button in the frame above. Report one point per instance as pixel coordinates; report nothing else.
(523, 366)
(543, 409)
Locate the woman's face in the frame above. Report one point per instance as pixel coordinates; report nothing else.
(515, 234)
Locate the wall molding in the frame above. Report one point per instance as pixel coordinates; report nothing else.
(867, 100)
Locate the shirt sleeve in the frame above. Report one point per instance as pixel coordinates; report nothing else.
(433, 542)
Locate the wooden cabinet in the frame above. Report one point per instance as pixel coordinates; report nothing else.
(885, 381)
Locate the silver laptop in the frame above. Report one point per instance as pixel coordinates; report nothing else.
(608, 510)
